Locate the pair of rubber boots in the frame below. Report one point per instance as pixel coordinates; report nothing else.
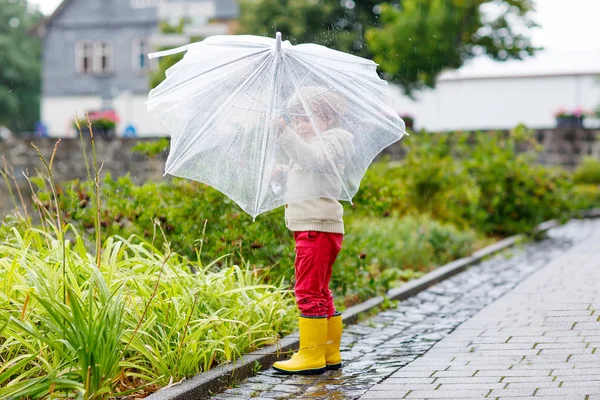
(319, 347)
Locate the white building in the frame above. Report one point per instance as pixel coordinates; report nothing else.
(485, 94)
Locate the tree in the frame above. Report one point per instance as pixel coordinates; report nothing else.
(20, 55)
(419, 40)
(333, 23)
(412, 40)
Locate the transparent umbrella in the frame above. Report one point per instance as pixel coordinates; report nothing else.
(268, 123)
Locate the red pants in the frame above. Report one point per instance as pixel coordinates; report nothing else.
(316, 253)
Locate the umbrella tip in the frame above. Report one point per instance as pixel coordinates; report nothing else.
(278, 41)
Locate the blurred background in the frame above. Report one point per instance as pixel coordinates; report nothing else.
(452, 65)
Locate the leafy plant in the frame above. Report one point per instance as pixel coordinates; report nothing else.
(588, 172)
(100, 124)
(379, 254)
(152, 149)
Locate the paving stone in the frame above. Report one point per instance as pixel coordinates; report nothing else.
(468, 380)
(521, 392)
(517, 379)
(576, 371)
(470, 386)
(456, 394)
(531, 385)
(568, 391)
(405, 386)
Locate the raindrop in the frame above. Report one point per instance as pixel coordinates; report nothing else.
(14, 22)
(377, 9)
(350, 4)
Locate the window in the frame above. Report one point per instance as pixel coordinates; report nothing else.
(94, 58)
(141, 48)
(84, 56)
(103, 58)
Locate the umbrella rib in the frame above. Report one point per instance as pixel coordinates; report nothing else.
(176, 86)
(314, 125)
(215, 114)
(265, 133)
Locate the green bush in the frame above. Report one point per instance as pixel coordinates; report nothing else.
(380, 253)
(516, 193)
(588, 172)
(482, 180)
(586, 197)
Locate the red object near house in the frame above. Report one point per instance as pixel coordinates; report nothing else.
(110, 115)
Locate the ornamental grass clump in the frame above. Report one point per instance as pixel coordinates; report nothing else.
(145, 318)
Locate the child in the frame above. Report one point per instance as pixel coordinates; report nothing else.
(313, 214)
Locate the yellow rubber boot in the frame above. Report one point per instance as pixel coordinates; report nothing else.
(310, 358)
(333, 357)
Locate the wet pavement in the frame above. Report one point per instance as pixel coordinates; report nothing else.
(379, 347)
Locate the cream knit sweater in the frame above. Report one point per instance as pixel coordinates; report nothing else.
(312, 185)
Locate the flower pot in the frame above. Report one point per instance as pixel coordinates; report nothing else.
(570, 121)
(408, 122)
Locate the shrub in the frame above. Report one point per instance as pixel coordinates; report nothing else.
(588, 172)
(196, 219)
(586, 197)
(378, 253)
(480, 180)
(516, 194)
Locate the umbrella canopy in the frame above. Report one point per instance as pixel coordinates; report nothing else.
(268, 123)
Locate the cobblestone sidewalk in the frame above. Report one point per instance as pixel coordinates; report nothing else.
(378, 348)
(540, 341)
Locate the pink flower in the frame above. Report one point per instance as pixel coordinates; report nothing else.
(577, 112)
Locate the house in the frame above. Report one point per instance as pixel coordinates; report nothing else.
(95, 56)
(486, 94)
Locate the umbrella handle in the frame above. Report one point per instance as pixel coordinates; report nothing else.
(278, 41)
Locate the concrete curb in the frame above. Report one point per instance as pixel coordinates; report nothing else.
(219, 378)
(593, 213)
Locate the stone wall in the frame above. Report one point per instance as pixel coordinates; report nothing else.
(115, 157)
(564, 147)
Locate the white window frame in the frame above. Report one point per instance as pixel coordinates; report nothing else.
(84, 49)
(103, 50)
(140, 47)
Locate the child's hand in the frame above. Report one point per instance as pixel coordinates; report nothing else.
(281, 125)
